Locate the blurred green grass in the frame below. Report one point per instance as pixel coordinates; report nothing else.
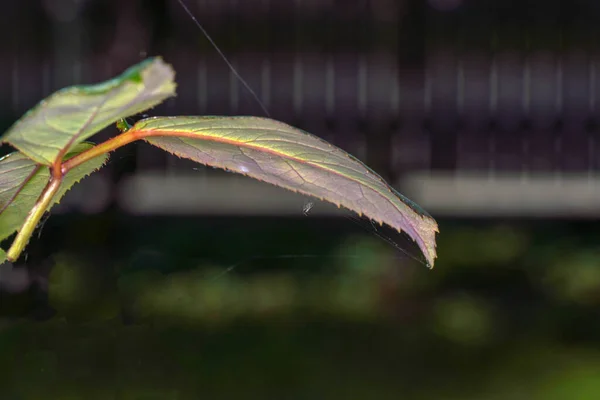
(509, 312)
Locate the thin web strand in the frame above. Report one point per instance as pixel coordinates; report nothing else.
(231, 67)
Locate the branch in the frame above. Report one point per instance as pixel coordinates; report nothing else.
(34, 216)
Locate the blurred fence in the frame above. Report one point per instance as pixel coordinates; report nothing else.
(485, 87)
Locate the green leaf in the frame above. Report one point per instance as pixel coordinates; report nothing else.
(22, 181)
(2, 256)
(71, 115)
(279, 154)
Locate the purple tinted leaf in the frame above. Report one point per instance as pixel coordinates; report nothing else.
(282, 155)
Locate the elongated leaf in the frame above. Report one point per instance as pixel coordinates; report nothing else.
(279, 154)
(22, 181)
(73, 114)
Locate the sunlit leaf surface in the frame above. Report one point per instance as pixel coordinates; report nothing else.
(279, 154)
(73, 114)
(22, 182)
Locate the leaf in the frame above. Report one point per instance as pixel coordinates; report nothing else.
(71, 115)
(22, 181)
(2, 256)
(282, 155)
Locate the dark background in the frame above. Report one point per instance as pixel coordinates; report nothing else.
(159, 278)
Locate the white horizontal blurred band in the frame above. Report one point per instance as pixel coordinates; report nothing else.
(194, 194)
(514, 195)
(477, 195)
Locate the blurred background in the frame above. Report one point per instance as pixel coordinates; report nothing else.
(157, 278)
